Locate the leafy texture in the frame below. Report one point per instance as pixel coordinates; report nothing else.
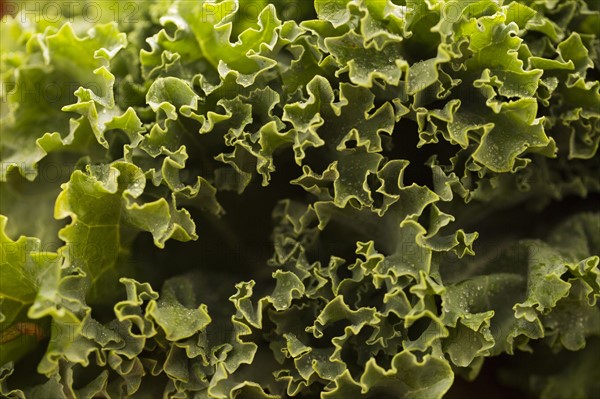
(273, 199)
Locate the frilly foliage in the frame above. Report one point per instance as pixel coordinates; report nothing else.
(390, 153)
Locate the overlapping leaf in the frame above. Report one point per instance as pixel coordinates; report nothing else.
(388, 141)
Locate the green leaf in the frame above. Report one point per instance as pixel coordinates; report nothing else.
(22, 265)
(177, 311)
(60, 68)
(406, 378)
(366, 63)
(104, 218)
